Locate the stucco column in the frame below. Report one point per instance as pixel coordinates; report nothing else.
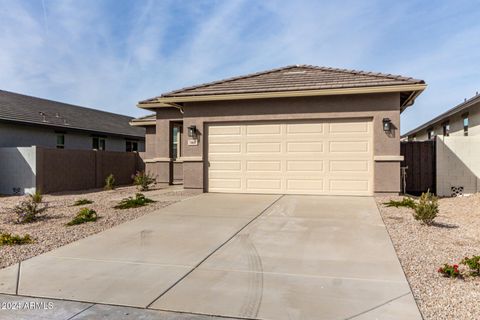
(192, 156)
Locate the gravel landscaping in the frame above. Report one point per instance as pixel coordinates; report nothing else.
(51, 231)
(423, 249)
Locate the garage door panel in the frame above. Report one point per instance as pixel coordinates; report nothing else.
(224, 131)
(349, 166)
(321, 157)
(264, 166)
(305, 165)
(349, 146)
(304, 147)
(264, 147)
(225, 148)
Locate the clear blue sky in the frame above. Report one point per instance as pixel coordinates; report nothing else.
(110, 54)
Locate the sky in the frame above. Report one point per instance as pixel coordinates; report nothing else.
(110, 54)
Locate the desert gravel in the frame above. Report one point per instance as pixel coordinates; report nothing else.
(423, 249)
(50, 231)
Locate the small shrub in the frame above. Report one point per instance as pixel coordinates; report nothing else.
(36, 196)
(143, 180)
(449, 271)
(110, 182)
(28, 210)
(7, 239)
(84, 215)
(82, 202)
(427, 208)
(473, 263)
(406, 202)
(131, 202)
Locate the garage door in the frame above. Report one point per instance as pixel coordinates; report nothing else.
(323, 157)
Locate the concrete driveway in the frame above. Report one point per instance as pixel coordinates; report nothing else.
(243, 256)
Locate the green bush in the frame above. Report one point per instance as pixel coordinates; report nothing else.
(406, 202)
(82, 202)
(449, 271)
(473, 263)
(7, 239)
(28, 210)
(130, 202)
(84, 215)
(36, 196)
(110, 182)
(143, 180)
(427, 208)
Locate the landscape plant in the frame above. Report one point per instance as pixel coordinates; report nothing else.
(7, 239)
(139, 201)
(36, 196)
(143, 180)
(84, 215)
(449, 271)
(427, 208)
(110, 182)
(82, 202)
(473, 264)
(405, 202)
(28, 210)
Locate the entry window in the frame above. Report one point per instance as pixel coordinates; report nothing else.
(176, 141)
(465, 124)
(60, 141)
(131, 146)
(446, 129)
(98, 143)
(431, 134)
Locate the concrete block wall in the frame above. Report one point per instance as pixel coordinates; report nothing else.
(458, 164)
(17, 170)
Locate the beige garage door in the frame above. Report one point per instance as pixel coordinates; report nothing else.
(322, 157)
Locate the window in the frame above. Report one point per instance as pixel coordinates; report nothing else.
(176, 140)
(465, 124)
(60, 141)
(98, 143)
(446, 129)
(431, 134)
(131, 146)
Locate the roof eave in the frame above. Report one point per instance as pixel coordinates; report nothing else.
(142, 123)
(168, 101)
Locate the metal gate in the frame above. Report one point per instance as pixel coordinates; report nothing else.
(418, 166)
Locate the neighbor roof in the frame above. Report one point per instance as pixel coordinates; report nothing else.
(289, 79)
(442, 117)
(25, 109)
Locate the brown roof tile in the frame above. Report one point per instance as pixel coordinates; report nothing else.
(292, 78)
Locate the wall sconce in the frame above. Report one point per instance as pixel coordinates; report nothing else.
(192, 132)
(387, 124)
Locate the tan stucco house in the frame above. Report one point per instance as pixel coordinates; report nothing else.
(294, 130)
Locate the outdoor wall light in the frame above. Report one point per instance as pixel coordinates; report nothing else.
(387, 124)
(192, 132)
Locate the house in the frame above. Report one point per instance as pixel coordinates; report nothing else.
(461, 120)
(294, 130)
(455, 135)
(29, 121)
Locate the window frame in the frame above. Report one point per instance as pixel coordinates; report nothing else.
(100, 143)
(466, 119)
(133, 146)
(431, 134)
(60, 145)
(446, 128)
(176, 141)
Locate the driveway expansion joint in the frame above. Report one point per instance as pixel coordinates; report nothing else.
(215, 250)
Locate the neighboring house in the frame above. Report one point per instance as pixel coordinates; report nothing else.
(461, 120)
(293, 130)
(457, 147)
(29, 121)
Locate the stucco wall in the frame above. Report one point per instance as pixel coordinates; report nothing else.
(458, 164)
(16, 135)
(200, 114)
(17, 170)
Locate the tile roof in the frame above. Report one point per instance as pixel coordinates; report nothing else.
(20, 108)
(292, 78)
